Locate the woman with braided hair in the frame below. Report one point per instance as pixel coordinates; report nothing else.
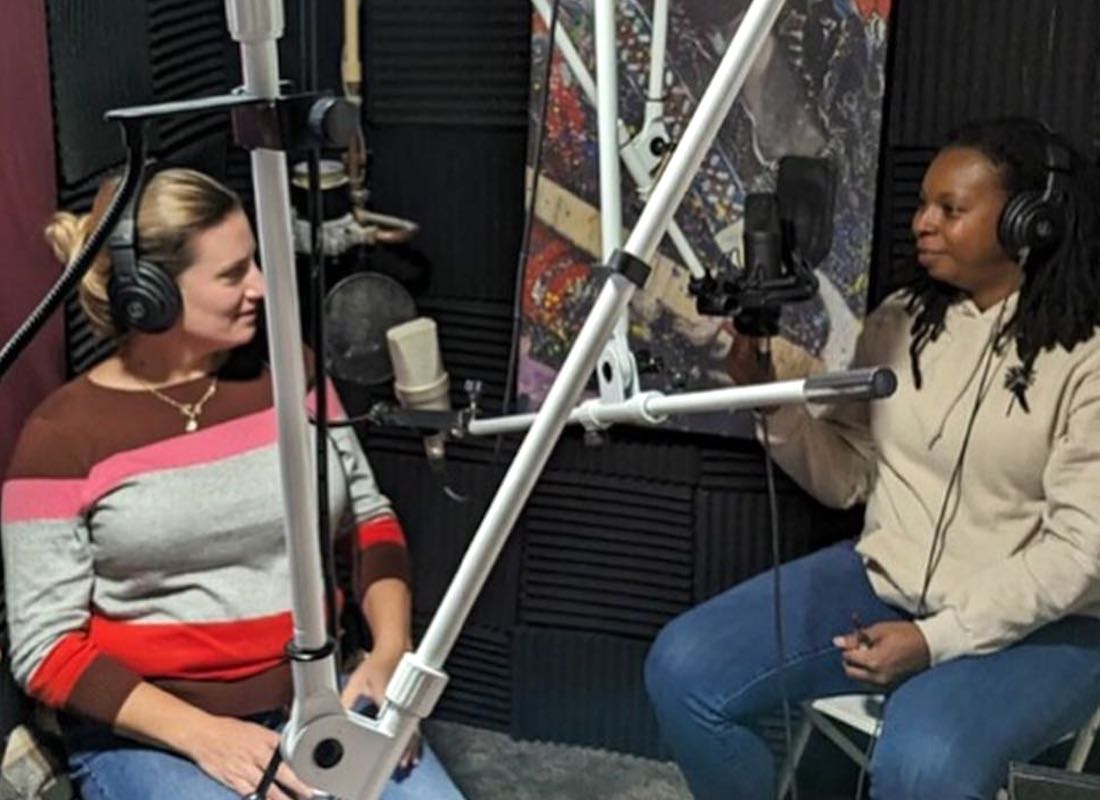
(972, 595)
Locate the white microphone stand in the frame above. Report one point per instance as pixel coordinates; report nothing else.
(344, 753)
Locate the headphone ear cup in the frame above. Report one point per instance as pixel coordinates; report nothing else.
(1030, 221)
(148, 302)
(1013, 227)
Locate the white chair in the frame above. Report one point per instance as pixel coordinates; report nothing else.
(863, 712)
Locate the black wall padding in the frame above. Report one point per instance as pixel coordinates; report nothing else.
(479, 668)
(733, 534)
(439, 530)
(978, 58)
(953, 61)
(474, 339)
(464, 185)
(99, 60)
(903, 170)
(583, 688)
(605, 554)
(188, 54)
(628, 452)
(447, 62)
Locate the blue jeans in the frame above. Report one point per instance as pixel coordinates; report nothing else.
(948, 732)
(106, 766)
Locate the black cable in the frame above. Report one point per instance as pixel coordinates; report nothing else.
(135, 166)
(528, 220)
(314, 74)
(320, 390)
(777, 601)
(268, 777)
(939, 532)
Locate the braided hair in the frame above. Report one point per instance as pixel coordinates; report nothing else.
(1059, 302)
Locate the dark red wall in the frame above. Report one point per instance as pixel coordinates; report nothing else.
(27, 198)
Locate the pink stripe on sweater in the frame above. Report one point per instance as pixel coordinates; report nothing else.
(27, 499)
(205, 446)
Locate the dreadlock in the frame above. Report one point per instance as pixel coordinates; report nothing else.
(1059, 302)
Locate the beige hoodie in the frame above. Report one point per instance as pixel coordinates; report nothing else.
(1022, 543)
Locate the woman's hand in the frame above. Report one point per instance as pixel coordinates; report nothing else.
(745, 363)
(236, 753)
(885, 653)
(369, 680)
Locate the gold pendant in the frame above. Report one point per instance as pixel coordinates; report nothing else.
(191, 426)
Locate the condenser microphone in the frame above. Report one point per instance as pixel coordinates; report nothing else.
(758, 312)
(763, 239)
(419, 380)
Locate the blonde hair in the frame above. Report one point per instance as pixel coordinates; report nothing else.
(176, 205)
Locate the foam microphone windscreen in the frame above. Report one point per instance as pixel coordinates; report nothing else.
(807, 189)
(419, 379)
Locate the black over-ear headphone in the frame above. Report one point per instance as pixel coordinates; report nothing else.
(1035, 221)
(143, 297)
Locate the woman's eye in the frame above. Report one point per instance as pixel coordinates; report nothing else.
(235, 275)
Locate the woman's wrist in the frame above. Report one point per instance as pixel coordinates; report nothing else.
(392, 647)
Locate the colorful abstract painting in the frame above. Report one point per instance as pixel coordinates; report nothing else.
(815, 90)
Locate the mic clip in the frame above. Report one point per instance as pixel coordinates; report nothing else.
(387, 415)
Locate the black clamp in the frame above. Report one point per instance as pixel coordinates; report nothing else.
(302, 654)
(630, 267)
(295, 122)
(289, 122)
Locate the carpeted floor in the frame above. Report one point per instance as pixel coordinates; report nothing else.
(492, 766)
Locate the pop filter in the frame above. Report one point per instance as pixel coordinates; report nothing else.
(358, 312)
(807, 196)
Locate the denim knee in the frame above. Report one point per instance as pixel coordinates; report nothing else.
(660, 669)
(920, 767)
(672, 667)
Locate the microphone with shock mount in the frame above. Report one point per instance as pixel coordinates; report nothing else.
(419, 380)
(422, 388)
(786, 234)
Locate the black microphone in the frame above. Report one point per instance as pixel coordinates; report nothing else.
(758, 313)
(763, 239)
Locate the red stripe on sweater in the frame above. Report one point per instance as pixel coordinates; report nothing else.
(53, 681)
(379, 529)
(225, 651)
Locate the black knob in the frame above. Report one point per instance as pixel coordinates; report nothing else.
(334, 121)
(328, 753)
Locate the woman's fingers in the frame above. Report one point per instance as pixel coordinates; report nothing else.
(286, 777)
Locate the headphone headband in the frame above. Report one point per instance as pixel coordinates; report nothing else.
(1032, 220)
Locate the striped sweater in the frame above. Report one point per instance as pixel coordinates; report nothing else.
(134, 551)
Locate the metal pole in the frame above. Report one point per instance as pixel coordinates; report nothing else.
(257, 25)
(617, 372)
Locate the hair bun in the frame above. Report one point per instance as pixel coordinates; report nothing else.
(65, 234)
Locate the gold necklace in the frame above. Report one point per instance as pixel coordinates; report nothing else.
(189, 410)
